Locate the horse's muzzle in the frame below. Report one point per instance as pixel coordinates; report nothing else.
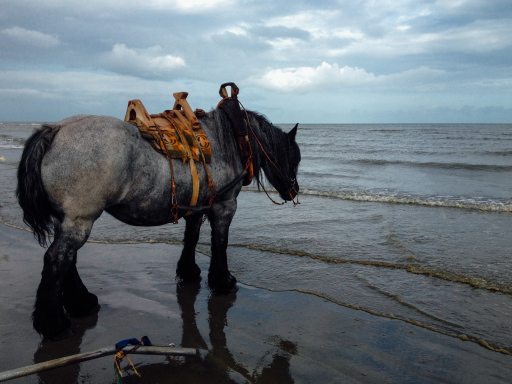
(291, 193)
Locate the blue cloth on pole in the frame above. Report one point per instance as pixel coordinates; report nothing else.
(123, 343)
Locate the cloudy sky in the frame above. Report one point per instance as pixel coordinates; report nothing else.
(344, 61)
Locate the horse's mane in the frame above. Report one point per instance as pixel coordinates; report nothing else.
(275, 143)
(273, 140)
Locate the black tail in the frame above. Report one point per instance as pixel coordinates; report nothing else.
(32, 197)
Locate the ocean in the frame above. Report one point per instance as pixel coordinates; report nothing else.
(404, 221)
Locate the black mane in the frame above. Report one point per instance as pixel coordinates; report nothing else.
(270, 146)
(274, 142)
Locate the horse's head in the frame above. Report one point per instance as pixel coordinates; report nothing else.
(290, 192)
(277, 155)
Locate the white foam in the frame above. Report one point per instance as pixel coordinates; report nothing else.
(436, 201)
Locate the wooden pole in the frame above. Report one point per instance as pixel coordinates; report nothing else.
(74, 359)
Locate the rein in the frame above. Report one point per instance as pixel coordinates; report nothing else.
(276, 167)
(182, 111)
(243, 138)
(244, 174)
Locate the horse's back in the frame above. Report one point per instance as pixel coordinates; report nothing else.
(90, 131)
(91, 163)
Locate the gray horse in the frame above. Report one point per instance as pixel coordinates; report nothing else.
(74, 170)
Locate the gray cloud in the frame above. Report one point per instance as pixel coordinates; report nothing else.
(240, 41)
(276, 32)
(457, 51)
(31, 38)
(149, 62)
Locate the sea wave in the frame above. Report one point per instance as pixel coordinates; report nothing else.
(447, 165)
(420, 164)
(434, 201)
(499, 153)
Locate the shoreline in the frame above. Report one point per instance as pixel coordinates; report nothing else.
(462, 336)
(255, 335)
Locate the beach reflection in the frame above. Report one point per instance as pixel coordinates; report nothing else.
(219, 361)
(50, 350)
(215, 363)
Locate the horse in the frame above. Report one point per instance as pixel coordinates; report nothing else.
(72, 171)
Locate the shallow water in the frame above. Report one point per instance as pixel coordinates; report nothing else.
(402, 221)
(253, 336)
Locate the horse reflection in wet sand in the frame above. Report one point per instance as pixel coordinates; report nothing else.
(74, 170)
(215, 364)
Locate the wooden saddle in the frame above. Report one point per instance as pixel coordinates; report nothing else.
(175, 133)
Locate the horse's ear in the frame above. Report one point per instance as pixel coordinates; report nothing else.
(293, 132)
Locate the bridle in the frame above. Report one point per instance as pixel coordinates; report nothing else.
(294, 158)
(229, 105)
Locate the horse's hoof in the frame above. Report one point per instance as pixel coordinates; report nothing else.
(224, 290)
(190, 274)
(223, 286)
(189, 281)
(94, 310)
(53, 329)
(83, 306)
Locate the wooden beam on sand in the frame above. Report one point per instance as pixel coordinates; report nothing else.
(107, 351)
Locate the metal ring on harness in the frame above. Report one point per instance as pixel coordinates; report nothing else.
(234, 90)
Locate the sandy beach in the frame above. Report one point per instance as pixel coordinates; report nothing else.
(255, 335)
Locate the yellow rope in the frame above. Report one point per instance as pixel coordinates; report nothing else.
(119, 357)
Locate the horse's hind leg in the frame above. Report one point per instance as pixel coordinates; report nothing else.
(49, 318)
(78, 301)
(187, 270)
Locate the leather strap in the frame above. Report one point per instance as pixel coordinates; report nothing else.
(231, 106)
(193, 169)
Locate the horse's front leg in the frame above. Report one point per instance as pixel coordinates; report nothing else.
(220, 280)
(49, 318)
(187, 270)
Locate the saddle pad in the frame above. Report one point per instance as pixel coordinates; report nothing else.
(181, 143)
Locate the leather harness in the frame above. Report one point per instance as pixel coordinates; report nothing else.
(182, 120)
(231, 106)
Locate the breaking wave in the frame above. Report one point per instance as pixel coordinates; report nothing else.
(419, 164)
(434, 201)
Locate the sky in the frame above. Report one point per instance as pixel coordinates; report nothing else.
(311, 62)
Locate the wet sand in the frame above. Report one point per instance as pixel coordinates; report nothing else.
(255, 335)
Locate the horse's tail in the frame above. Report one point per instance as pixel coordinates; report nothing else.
(32, 197)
